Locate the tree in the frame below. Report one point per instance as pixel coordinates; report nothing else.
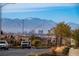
(61, 31)
(1, 32)
(75, 36)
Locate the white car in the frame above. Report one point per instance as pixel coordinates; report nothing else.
(4, 44)
(25, 44)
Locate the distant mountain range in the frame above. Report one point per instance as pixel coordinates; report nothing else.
(15, 25)
(73, 25)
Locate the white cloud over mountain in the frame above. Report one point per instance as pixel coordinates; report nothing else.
(29, 7)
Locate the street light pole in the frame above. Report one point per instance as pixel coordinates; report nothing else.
(0, 21)
(1, 6)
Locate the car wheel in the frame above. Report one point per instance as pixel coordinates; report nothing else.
(29, 47)
(6, 48)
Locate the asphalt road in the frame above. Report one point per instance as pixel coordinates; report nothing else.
(22, 52)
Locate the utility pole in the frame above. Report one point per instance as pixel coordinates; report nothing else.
(23, 26)
(1, 6)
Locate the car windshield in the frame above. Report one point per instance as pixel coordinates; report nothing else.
(2, 42)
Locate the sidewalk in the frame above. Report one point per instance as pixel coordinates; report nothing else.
(74, 52)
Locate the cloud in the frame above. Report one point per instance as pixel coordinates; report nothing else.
(21, 10)
(31, 7)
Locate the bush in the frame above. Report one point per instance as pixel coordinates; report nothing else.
(36, 43)
(66, 50)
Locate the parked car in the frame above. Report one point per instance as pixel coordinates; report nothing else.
(4, 44)
(25, 44)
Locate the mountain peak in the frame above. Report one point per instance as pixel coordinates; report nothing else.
(29, 24)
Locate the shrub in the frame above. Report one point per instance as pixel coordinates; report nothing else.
(66, 50)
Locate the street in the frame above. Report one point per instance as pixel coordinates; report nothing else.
(21, 52)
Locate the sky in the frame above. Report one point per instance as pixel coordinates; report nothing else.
(50, 11)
